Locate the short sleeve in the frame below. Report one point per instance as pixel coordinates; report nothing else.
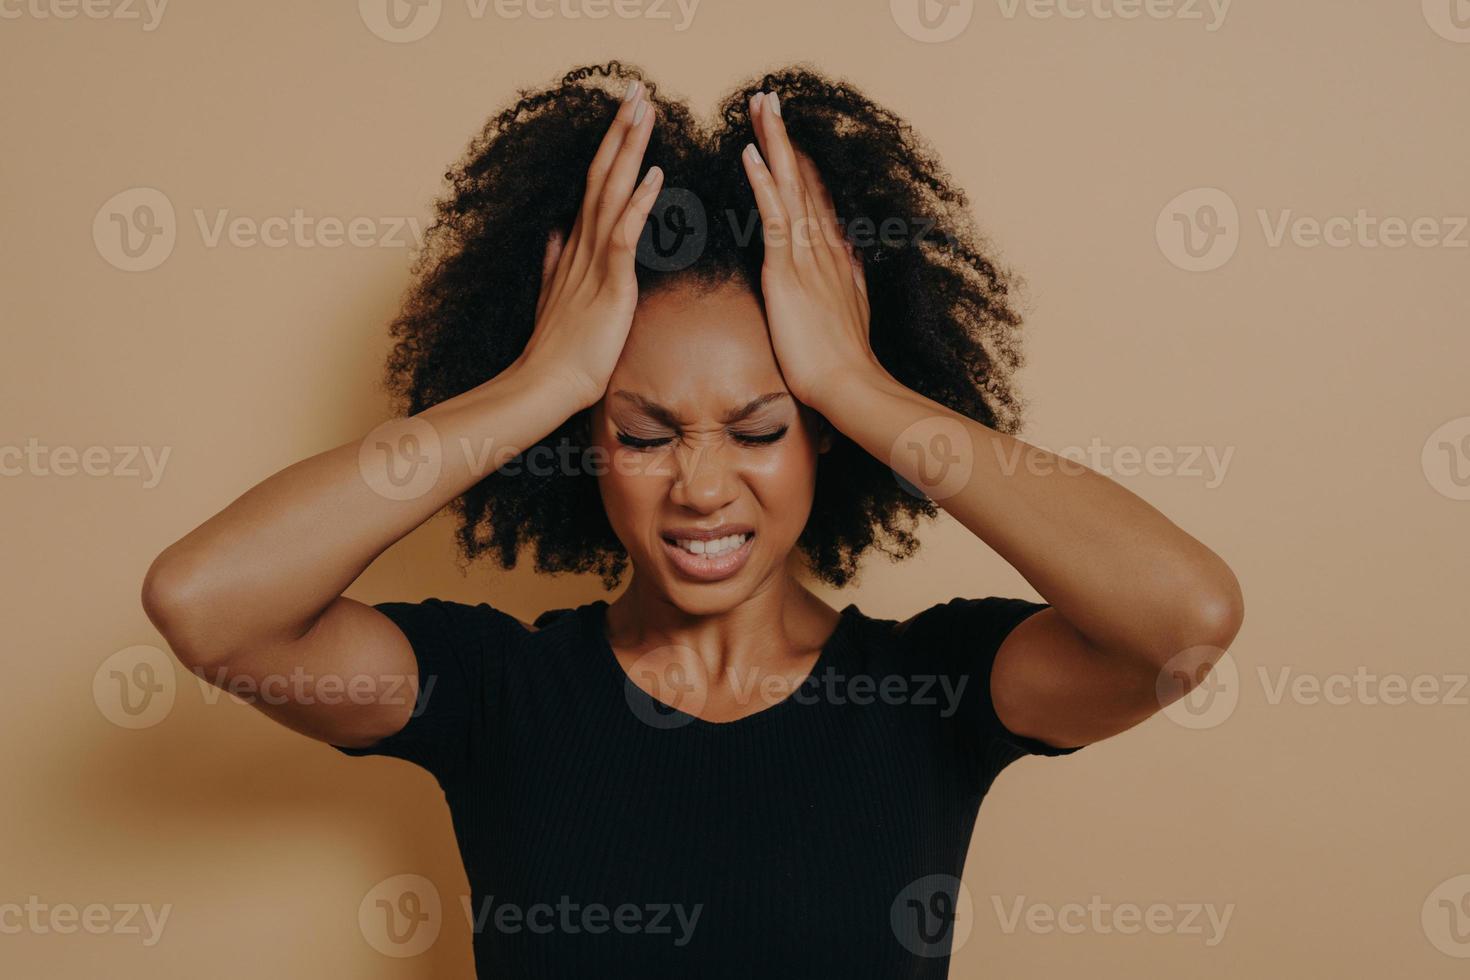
(459, 649)
(961, 638)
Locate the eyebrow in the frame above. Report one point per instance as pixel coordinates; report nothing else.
(668, 417)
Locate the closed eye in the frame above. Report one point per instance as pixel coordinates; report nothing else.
(763, 439)
(638, 443)
(749, 439)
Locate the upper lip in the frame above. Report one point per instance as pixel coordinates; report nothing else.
(706, 534)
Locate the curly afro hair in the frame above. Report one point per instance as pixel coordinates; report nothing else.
(941, 320)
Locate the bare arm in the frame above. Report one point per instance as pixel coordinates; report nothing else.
(1130, 591)
(256, 590)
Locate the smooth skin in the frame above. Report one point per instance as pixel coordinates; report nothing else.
(256, 591)
(1139, 609)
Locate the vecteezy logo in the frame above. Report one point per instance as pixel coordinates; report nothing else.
(933, 916)
(932, 21)
(1193, 694)
(134, 688)
(1446, 459)
(1450, 19)
(401, 915)
(1446, 917)
(135, 229)
(675, 233)
(1199, 230)
(401, 459)
(400, 21)
(939, 451)
(665, 688)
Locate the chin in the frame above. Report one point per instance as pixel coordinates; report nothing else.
(705, 598)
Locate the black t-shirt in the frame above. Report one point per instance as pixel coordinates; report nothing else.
(605, 833)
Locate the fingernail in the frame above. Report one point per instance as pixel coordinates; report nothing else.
(631, 90)
(638, 111)
(751, 151)
(775, 103)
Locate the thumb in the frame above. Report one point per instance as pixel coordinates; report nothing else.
(554, 245)
(859, 275)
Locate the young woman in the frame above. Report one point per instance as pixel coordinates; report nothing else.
(717, 773)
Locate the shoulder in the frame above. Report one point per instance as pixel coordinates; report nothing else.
(483, 612)
(953, 632)
(452, 612)
(960, 639)
(487, 628)
(989, 612)
(480, 642)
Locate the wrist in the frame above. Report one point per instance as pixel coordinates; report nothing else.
(546, 396)
(563, 388)
(843, 386)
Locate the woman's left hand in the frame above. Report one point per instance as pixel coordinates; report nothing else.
(816, 295)
(1132, 596)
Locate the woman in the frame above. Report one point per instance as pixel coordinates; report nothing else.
(717, 773)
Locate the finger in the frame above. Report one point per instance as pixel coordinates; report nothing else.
(775, 226)
(822, 205)
(859, 274)
(554, 245)
(623, 242)
(819, 232)
(776, 150)
(612, 141)
(549, 258)
(626, 164)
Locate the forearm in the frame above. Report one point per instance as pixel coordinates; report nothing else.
(1124, 576)
(263, 569)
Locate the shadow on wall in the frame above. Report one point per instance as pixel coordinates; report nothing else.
(219, 780)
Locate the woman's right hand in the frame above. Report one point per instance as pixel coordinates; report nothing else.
(589, 285)
(256, 593)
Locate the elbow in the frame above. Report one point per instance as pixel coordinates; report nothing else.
(1214, 612)
(1198, 624)
(163, 590)
(1206, 626)
(170, 597)
(1222, 609)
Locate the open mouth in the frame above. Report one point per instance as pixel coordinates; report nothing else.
(708, 560)
(713, 548)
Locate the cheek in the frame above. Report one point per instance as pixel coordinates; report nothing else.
(783, 477)
(633, 486)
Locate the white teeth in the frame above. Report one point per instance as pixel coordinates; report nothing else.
(713, 548)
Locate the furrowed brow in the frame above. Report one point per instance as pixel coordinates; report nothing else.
(752, 406)
(668, 417)
(652, 409)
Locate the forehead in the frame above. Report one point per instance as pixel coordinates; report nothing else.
(699, 350)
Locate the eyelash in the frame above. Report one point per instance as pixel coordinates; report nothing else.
(764, 439)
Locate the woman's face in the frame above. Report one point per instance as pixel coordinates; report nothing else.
(702, 435)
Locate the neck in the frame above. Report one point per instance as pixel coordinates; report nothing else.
(779, 622)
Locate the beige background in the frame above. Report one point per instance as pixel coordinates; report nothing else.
(1333, 832)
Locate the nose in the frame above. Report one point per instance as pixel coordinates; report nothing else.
(704, 479)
